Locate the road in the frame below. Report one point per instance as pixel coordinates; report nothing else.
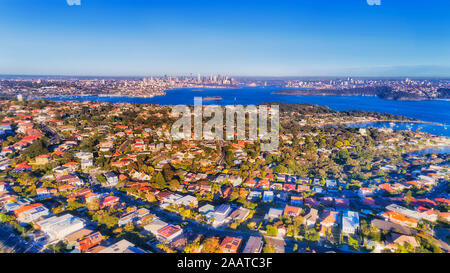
(54, 137)
(12, 243)
(221, 159)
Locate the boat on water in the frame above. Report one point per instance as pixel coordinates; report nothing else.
(213, 98)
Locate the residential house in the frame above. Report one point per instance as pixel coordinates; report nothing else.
(268, 196)
(394, 239)
(42, 159)
(30, 213)
(109, 201)
(350, 222)
(412, 214)
(296, 200)
(133, 216)
(155, 225)
(273, 213)
(187, 201)
(235, 180)
(206, 209)
(389, 226)
(399, 218)
(169, 233)
(311, 218)
(254, 196)
(254, 245)
(239, 214)
(83, 239)
(329, 218)
(291, 211)
(230, 244)
(111, 179)
(220, 215)
(122, 246)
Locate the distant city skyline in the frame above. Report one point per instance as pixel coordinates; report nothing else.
(234, 38)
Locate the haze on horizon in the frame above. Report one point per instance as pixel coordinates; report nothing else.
(232, 37)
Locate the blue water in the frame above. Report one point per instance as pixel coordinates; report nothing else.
(437, 150)
(430, 110)
(424, 127)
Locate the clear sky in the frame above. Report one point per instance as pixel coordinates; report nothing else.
(231, 37)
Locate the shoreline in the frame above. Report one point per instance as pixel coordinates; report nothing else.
(385, 120)
(283, 92)
(428, 147)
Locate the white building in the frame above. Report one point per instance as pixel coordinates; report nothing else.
(58, 227)
(220, 215)
(111, 179)
(187, 201)
(331, 183)
(84, 155)
(273, 214)
(122, 246)
(268, 196)
(155, 225)
(235, 180)
(86, 164)
(350, 222)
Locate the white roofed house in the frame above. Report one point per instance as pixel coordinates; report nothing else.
(4, 164)
(61, 170)
(187, 201)
(268, 196)
(84, 155)
(350, 222)
(220, 214)
(254, 196)
(427, 180)
(220, 178)
(311, 218)
(105, 146)
(134, 216)
(86, 164)
(171, 199)
(155, 225)
(58, 227)
(111, 178)
(273, 214)
(239, 214)
(70, 179)
(235, 180)
(122, 246)
(206, 209)
(254, 245)
(331, 183)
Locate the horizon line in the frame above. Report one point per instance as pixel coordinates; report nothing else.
(228, 75)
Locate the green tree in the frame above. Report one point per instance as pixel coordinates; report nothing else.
(271, 230)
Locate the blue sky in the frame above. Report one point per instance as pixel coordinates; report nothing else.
(232, 37)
